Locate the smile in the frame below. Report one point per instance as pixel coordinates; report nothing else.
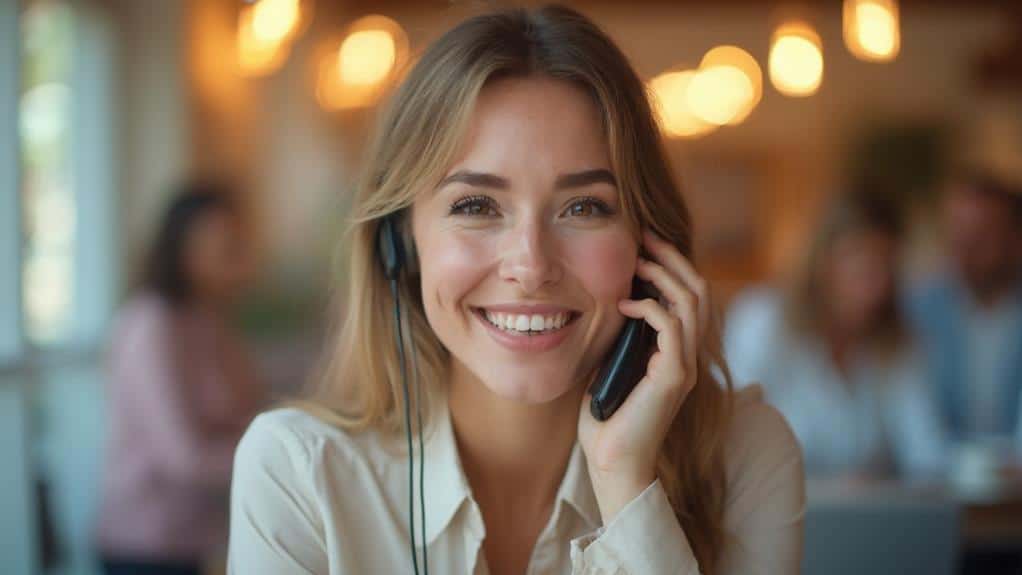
(528, 323)
(528, 329)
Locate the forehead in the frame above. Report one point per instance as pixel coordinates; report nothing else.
(538, 124)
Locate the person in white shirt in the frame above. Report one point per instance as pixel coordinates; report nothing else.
(834, 355)
(522, 168)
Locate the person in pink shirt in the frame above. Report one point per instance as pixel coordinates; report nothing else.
(181, 392)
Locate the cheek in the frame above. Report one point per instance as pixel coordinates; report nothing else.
(605, 264)
(451, 266)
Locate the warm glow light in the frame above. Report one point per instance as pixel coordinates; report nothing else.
(670, 91)
(366, 57)
(796, 60)
(728, 86)
(716, 95)
(257, 55)
(871, 29)
(355, 72)
(274, 20)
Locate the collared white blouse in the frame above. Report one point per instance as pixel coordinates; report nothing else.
(310, 498)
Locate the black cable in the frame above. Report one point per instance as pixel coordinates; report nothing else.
(422, 455)
(408, 425)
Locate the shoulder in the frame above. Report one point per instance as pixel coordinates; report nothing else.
(755, 422)
(760, 443)
(765, 493)
(294, 440)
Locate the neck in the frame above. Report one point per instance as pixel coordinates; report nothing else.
(513, 453)
(842, 340)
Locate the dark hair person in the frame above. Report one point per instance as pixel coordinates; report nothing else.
(181, 392)
(521, 163)
(969, 314)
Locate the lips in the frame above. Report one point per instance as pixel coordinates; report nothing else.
(527, 328)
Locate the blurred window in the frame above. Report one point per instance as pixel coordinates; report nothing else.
(48, 204)
(66, 176)
(9, 219)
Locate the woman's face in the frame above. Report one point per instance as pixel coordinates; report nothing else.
(526, 230)
(214, 257)
(860, 278)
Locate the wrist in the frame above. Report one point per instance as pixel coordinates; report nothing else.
(613, 492)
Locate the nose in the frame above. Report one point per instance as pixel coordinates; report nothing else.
(529, 259)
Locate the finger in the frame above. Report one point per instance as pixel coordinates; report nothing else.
(683, 302)
(670, 335)
(684, 324)
(673, 290)
(664, 382)
(670, 257)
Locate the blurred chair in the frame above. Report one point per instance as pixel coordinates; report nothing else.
(881, 537)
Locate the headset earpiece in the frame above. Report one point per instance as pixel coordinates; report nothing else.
(395, 250)
(390, 248)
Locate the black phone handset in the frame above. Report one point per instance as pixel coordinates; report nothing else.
(626, 363)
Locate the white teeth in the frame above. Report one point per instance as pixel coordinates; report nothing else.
(526, 323)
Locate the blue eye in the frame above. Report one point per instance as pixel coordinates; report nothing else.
(588, 207)
(474, 206)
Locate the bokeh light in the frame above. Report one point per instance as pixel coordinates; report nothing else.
(266, 30)
(258, 53)
(728, 86)
(796, 60)
(671, 100)
(872, 29)
(358, 70)
(274, 20)
(367, 57)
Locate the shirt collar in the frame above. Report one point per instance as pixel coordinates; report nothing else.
(447, 487)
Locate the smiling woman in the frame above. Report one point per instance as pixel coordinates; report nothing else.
(521, 168)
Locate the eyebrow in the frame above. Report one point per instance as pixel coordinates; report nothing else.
(585, 178)
(574, 180)
(475, 179)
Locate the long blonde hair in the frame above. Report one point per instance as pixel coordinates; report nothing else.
(360, 383)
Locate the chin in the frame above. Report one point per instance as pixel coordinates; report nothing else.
(527, 384)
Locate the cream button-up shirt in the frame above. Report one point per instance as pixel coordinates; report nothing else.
(308, 497)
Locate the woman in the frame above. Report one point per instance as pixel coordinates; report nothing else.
(835, 356)
(523, 164)
(181, 393)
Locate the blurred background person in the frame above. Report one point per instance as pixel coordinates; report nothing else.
(181, 392)
(834, 355)
(970, 314)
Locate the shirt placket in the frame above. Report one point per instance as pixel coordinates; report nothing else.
(474, 536)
